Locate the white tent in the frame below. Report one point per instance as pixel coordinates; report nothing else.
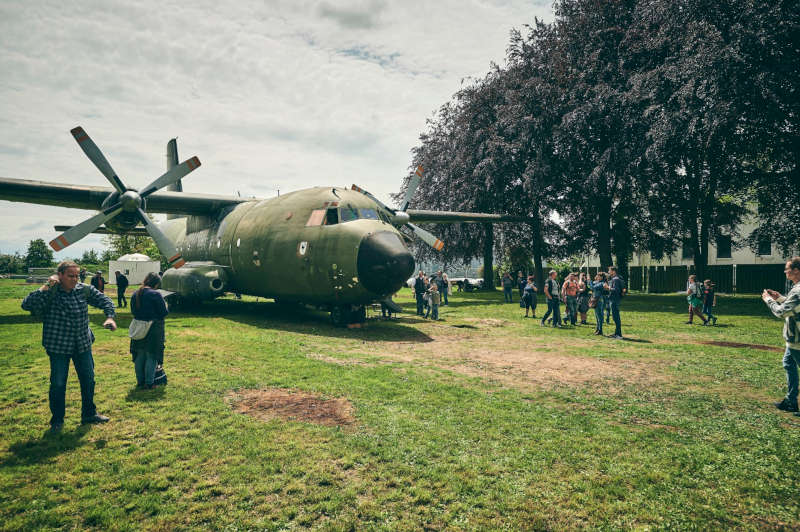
(135, 266)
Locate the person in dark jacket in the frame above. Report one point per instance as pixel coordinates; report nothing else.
(147, 304)
(98, 282)
(122, 285)
(419, 291)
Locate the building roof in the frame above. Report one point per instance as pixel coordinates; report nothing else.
(135, 257)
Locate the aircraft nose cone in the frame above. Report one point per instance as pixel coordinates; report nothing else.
(384, 263)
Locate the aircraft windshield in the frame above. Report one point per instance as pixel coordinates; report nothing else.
(368, 214)
(348, 213)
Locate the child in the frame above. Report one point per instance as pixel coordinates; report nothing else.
(709, 301)
(433, 302)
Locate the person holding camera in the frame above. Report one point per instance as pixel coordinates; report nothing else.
(63, 304)
(788, 308)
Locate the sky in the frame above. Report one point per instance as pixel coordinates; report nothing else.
(269, 95)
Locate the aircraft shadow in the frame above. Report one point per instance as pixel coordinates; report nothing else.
(39, 450)
(305, 320)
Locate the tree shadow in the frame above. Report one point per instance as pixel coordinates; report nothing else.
(45, 448)
(304, 320)
(15, 319)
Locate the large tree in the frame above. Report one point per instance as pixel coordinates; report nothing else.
(39, 254)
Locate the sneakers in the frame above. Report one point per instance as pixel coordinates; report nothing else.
(97, 418)
(689, 323)
(786, 406)
(714, 320)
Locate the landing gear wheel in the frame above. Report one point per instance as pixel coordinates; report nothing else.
(340, 315)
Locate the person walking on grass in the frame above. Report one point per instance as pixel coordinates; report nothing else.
(148, 305)
(529, 296)
(122, 285)
(616, 289)
(709, 301)
(445, 289)
(508, 287)
(551, 293)
(694, 295)
(63, 304)
(788, 308)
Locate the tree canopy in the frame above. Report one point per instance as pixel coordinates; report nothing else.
(623, 126)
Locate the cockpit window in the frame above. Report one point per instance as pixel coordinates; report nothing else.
(332, 216)
(316, 218)
(368, 214)
(348, 213)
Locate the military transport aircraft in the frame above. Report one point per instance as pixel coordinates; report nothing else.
(335, 248)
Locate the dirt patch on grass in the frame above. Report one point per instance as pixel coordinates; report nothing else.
(292, 405)
(488, 322)
(746, 346)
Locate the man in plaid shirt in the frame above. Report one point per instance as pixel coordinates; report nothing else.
(788, 308)
(63, 305)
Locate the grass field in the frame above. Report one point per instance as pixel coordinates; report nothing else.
(483, 420)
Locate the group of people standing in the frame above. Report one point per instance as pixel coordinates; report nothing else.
(430, 292)
(62, 304)
(578, 293)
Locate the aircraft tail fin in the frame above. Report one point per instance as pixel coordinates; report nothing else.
(172, 161)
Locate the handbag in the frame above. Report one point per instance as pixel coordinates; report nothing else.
(138, 329)
(592, 302)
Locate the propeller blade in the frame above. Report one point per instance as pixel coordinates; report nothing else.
(427, 237)
(96, 156)
(164, 244)
(76, 232)
(173, 175)
(373, 198)
(412, 187)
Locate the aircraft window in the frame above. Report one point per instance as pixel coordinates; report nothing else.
(368, 214)
(316, 218)
(348, 214)
(332, 218)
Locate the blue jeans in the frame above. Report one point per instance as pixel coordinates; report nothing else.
(552, 307)
(508, 294)
(444, 295)
(614, 304)
(572, 309)
(598, 313)
(59, 368)
(420, 303)
(433, 311)
(791, 359)
(144, 363)
(707, 311)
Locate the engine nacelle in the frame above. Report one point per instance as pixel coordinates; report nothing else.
(196, 281)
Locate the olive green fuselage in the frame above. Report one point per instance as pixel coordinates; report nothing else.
(280, 248)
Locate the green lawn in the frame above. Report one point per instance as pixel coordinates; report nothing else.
(483, 420)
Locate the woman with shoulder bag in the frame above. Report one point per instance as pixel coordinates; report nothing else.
(147, 329)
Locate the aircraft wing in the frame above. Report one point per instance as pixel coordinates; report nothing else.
(91, 198)
(448, 217)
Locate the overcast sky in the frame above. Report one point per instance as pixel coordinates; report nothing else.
(269, 95)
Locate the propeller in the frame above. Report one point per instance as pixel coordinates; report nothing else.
(399, 216)
(128, 201)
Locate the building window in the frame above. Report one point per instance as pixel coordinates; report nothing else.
(723, 246)
(764, 246)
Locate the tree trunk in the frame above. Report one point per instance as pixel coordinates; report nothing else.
(538, 245)
(604, 233)
(488, 257)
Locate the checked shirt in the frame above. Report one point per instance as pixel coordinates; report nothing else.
(65, 316)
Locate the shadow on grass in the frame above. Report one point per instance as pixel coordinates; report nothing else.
(13, 319)
(43, 449)
(295, 318)
(144, 395)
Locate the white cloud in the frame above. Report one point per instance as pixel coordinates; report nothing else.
(271, 95)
